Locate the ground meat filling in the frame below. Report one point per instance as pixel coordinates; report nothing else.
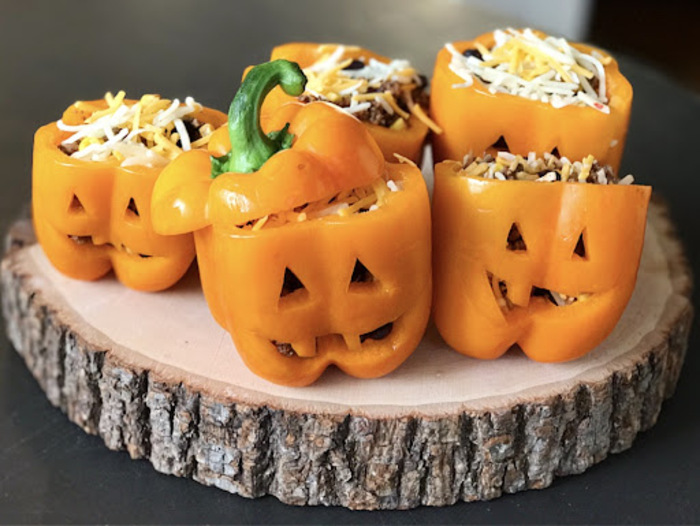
(506, 166)
(68, 149)
(377, 113)
(285, 349)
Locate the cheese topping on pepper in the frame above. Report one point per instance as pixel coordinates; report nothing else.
(358, 200)
(151, 132)
(547, 69)
(335, 79)
(546, 169)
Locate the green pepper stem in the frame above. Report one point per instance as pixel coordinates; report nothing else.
(250, 146)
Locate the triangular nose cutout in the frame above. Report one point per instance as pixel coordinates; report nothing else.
(515, 239)
(360, 274)
(76, 205)
(580, 249)
(501, 144)
(555, 152)
(291, 283)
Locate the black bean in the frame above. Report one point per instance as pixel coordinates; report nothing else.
(355, 64)
(472, 53)
(192, 126)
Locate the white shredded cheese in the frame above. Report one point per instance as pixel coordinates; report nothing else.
(547, 69)
(146, 132)
(329, 80)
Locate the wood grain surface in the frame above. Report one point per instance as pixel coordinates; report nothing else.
(355, 443)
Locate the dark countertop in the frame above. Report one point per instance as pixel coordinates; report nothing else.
(56, 52)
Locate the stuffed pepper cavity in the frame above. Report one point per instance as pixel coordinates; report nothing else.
(389, 96)
(312, 249)
(541, 252)
(93, 174)
(522, 91)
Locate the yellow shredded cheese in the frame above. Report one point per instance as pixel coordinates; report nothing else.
(145, 132)
(430, 123)
(362, 199)
(353, 89)
(546, 69)
(392, 102)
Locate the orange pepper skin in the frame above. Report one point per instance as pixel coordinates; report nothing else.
(473, 119)
(104, 190)
(242, 271)
(472, 217)
(407, 142)
(331, 153)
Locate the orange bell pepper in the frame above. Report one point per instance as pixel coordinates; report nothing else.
(92, 216)
(472, 219)
(352, 290)
(474, 119)
(407, 142)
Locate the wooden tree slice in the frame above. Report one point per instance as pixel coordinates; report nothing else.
(154, 374)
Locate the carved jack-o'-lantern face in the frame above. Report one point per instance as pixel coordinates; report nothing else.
(351, 291)
(549, 266)
(301, 274)
(93, 216)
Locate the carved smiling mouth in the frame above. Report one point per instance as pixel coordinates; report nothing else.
(87, 240)
(499, 288)
(309, 349)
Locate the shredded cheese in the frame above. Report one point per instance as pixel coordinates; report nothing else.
(364, 199)
(547, 69)
(329, 80)
(546, 169)
(144, 133)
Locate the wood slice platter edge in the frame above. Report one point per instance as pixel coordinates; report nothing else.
(334, 455)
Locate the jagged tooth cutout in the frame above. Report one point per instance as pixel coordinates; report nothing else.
(352, 341)
(305, 348)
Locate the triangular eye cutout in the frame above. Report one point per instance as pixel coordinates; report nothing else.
(580, 249)
(555, 152)
(501, 144)
(360, 274)
(76, 205)
(132, 207)
(515, 239)
(291, 283)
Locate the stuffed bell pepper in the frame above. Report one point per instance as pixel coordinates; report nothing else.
(523, 91)
(388, 96)
(93, 174)
(312, 249)
(540, 252)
